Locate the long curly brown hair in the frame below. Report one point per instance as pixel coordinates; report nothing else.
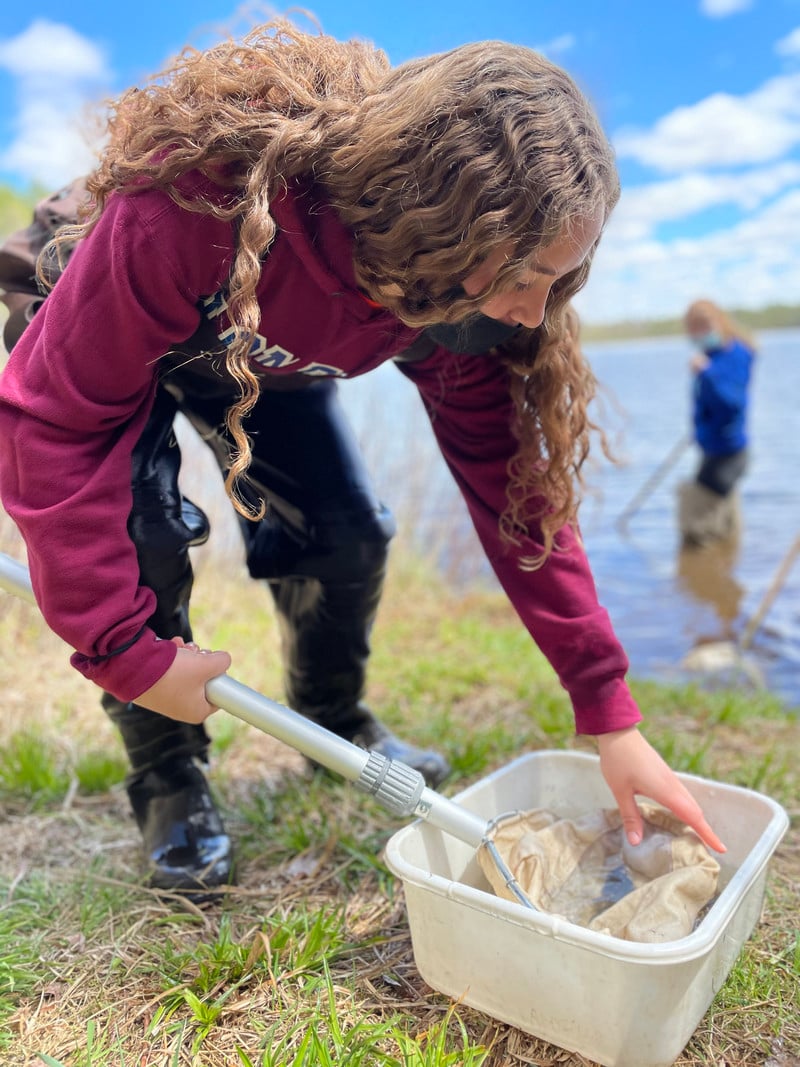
(552, 385)
(431, 165)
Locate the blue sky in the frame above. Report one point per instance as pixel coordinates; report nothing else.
(701, 99)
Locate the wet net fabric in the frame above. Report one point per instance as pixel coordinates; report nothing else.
(584, 870)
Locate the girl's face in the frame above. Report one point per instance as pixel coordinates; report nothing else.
(525, 303)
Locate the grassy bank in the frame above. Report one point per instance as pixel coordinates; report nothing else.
(308, 960)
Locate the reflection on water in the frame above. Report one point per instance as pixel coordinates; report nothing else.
(706, 573)
(662, 601)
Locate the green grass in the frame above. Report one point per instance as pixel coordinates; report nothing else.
(30, 770)
(22, 935)
(36, 770)
(97, 772)
(308, 961)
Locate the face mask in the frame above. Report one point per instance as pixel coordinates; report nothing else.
(708, 342)
(473, 337)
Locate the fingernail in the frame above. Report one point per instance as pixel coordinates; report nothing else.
(634, 837)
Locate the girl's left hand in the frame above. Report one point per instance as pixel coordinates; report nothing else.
(631, 766)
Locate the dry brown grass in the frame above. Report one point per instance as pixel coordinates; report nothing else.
(108, 977)
(111, 972)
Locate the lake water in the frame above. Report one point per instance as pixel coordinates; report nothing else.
(662, 603)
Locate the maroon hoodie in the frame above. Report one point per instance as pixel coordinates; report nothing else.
(79, 385)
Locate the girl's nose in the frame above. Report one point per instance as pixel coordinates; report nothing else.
(529, 309)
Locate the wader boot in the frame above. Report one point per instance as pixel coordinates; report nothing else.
(324, 637)
(321, 547)
(185, 843)
(706, 517)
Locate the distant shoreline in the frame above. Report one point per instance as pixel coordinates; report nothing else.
(773, 317)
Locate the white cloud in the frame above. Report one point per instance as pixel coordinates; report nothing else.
(721, 130)
(726, 151)
(51, 50)
(753, 263)
(643, 208)
(790, 44)
(57, 73)
(720, 9)
(558, 46)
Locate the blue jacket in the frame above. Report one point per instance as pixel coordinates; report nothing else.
(720, 400)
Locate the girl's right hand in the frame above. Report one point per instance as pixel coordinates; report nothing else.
(632, 767)
(181, 692)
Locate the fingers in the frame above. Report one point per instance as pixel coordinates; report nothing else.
(181, 692)
(205, 665)
(706, 834)
(673, 795)
(685, 807)
(216, 663)
(632, 767)
(682, 805)
(631, 818)
(192, 646)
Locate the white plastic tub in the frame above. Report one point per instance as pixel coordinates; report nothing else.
(620, 1003)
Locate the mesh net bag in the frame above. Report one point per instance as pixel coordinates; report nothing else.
(584, 870)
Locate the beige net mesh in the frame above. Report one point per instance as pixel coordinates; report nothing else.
(584, 870)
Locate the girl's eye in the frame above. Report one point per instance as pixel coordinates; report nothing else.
(523, 287)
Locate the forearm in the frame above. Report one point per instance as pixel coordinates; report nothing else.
(472, 414)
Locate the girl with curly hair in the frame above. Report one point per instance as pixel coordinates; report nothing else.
(267, 216)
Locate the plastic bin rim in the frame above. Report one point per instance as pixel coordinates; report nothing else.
(684, 949)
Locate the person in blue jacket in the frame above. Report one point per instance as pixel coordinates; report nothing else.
(721, 369)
